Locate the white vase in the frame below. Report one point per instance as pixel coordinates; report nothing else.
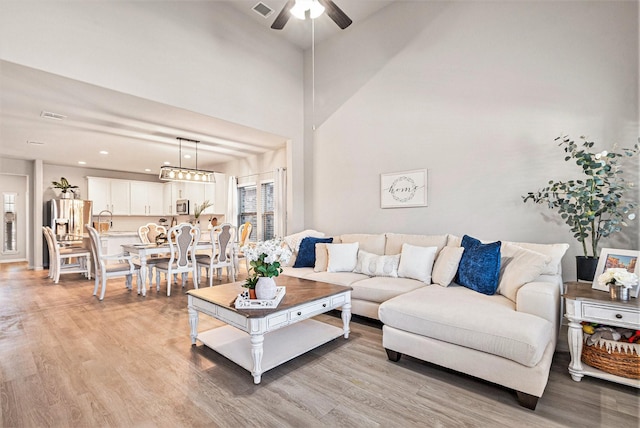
(265, 288)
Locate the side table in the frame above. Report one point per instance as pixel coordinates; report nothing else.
(586, 304)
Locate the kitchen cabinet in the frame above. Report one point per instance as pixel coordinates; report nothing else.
(147, 198)
(109, 194)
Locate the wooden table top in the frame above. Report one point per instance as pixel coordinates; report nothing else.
(583, 291)
(298, 291)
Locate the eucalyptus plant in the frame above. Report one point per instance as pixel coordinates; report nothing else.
(594, 206)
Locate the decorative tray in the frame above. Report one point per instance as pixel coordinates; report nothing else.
(243, 301)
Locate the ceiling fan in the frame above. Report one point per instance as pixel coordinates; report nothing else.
(314, 8)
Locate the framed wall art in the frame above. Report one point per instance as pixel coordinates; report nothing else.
(612, 258)
(403, 189)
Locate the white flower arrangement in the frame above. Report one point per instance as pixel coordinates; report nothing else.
(275, 250)
(618, 276)
(265, 259)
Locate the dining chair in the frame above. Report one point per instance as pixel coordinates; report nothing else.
(182, 241)
(244, 232)
(61, 258)
(221, 255)
(110, 265)
(148, 234)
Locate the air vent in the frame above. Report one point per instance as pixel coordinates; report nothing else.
(263, 10)
(50, 115)
(35, 143)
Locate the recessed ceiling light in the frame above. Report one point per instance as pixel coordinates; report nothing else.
(82, 162)
(104, 152)
(187, 156)
(36, 143)
(166, 163)
(147, 170)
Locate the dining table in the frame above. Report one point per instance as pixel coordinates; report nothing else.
(144, 251)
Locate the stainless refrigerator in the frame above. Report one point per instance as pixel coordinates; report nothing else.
(67, 218)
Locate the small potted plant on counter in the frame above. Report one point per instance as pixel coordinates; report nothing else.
(67, 189)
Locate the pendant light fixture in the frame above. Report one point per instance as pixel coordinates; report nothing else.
(172, 173)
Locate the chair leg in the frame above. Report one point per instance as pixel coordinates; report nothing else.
(104, 286)
(95, 287)
(169, 276)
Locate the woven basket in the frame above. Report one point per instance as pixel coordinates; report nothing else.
(618, 358)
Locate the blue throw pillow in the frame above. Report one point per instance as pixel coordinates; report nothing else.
(307, 251)
(479, 268)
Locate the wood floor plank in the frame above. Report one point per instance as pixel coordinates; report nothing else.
(68, 359)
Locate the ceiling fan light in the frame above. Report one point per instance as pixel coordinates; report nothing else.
(298, 10)
(316, 9)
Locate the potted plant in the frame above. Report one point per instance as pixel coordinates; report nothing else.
(199, 209)
(67, 189)
(265, 260)
(592, 206)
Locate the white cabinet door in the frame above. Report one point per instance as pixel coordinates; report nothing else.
(195, 194)
(169, 199)
(147, 198)
(120, 197)
(155, 198)
(139, 205)
(99, 191)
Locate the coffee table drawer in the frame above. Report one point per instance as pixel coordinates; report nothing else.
(309, 310)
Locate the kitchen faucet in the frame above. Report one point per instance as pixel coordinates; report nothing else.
(110, 219)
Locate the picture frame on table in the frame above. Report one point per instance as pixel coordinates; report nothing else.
(403, 189)
(613, 258)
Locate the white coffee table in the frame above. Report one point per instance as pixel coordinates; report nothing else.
(261, 339)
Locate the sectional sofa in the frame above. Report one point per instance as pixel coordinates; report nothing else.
(411, 284)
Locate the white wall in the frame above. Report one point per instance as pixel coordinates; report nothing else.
(475, 92)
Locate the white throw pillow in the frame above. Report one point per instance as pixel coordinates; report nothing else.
(322, 258)
(417, 262)
(342, 257)
(375, 265)
(446, 265)
(517, 267)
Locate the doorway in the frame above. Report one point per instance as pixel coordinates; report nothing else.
(14, 218)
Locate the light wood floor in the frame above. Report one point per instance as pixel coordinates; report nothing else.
(69, 360)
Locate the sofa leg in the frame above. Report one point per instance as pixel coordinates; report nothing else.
(527, 400)
(393, 355)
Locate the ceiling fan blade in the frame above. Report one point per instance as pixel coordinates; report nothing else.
(283, 16)
(335, 13)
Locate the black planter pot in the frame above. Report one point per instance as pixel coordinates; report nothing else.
(586, 268)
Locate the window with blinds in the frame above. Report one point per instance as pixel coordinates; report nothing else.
(268, 203)
(253, 206)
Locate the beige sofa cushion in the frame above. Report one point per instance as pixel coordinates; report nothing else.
(322, 257)
(519, 266)
(371, 243)
(380, 289)
(463, 317)
(395, 241)
(446, 265)
(555, 251)
(296, 272)
(339, 278)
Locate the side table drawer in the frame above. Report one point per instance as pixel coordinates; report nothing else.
(611, 314)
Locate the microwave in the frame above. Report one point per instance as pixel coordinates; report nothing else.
(182, 206)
